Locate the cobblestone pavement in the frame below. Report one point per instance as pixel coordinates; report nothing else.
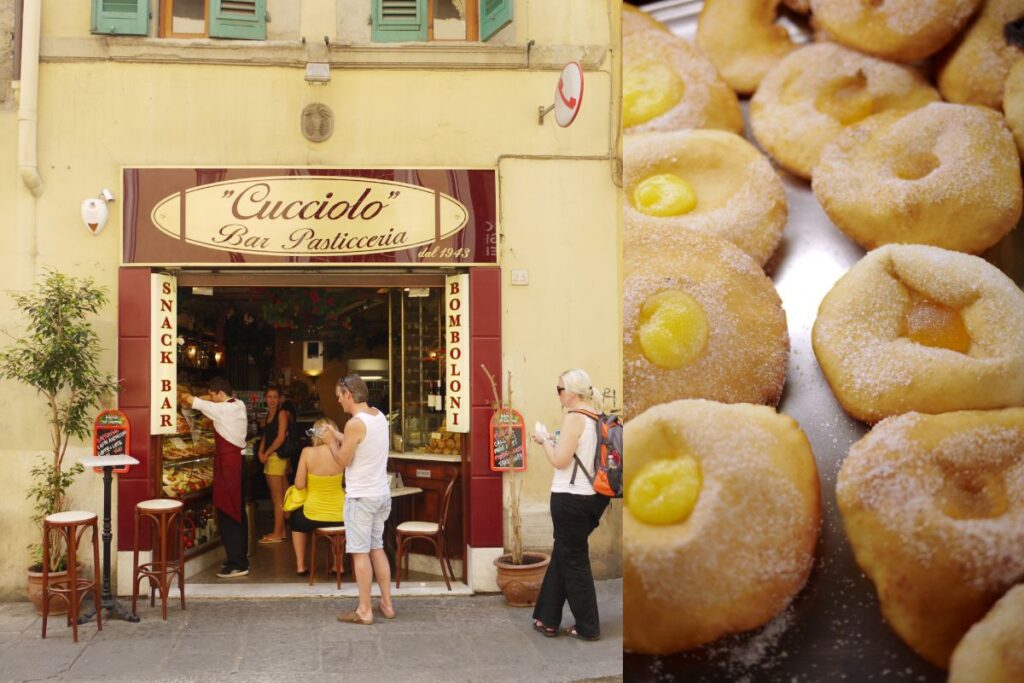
(475, 638)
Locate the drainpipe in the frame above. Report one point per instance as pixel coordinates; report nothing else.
(29, 98)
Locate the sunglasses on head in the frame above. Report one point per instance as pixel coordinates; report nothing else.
(559, 390)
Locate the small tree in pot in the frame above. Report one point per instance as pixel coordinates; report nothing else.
(520, 574)
(58, 356)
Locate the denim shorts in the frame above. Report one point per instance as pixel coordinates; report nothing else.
(364, 523)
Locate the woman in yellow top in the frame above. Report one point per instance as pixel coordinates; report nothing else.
(274, 464)
(320, 474)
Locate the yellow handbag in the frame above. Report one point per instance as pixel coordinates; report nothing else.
(294, 499)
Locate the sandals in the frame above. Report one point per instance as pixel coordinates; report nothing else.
(304, 572)
(573, 633)
(539, 627)
(270, 539)
(353, 618)
(380, 611)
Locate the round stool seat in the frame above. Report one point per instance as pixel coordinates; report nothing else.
(71, 517)
(331, 529)
(419, 527)
(160, 505)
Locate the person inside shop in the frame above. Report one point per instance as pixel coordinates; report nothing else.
(230, 425)
(575, 512)
(363, 451)
(275, 453)
(320, 475)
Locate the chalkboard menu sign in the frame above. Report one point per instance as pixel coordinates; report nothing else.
(508, 441)
(111, 436)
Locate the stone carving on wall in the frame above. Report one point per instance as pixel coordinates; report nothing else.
(317, 122)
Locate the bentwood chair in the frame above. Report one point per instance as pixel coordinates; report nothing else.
(429, 531)
(168, 520)
(71, 526)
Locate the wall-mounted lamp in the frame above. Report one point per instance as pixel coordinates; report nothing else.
(94, 211)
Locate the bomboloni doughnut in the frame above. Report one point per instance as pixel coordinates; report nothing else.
(933, 506)
(709, 181)
(669, 85)
(901, 30)
(1013, 104)
(913, 327)
(635, 21)
(818, 91)
(946, 175)
(993, 650)
(722, 508)
(701, 320)
(976, 71)
(742, 40)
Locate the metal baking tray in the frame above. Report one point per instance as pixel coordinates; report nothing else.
(833, 630)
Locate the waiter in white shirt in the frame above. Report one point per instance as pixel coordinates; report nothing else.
(230, 426)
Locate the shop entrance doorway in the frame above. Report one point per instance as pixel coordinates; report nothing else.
(291, 332)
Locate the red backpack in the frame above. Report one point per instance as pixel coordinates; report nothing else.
(607, 479)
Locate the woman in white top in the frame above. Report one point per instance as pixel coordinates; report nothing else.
(575, 512)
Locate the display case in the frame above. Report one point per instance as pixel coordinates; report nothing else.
(417, 370)
(186, 464)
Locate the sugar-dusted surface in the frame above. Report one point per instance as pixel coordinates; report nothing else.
(991, 650)
(905, 17)
(977, 70)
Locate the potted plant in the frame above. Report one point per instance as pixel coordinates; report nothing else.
(57, 355)
(520, 573)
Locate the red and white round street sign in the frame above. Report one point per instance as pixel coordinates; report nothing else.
(569, 94)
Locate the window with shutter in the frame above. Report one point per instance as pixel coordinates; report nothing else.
(494, 16)
(245, 19)
(399, 20)
(120, 17)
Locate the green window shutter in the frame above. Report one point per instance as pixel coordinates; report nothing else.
(245, 19)
(494, 16)
(120, 17)
(396, 21)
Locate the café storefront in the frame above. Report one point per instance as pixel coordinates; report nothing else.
(392, 273)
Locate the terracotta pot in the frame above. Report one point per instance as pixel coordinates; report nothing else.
(34, 590)
(520, 583)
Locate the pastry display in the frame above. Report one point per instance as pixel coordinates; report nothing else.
(918, 328)
(933, 506)
(181, 481)
(742, 40)
(900, 30)
(993, 650)
(976, 71)
(700, 320)
(720, 522)
(818, 91)
(1013, 104)
(669, 85)
(945, 174)
(635, 21)
(709, 181)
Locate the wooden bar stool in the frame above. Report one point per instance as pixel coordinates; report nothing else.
(335, 535)
(163, 513)
(428, 531)
(71, 525)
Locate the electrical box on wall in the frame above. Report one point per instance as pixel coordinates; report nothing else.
(312, 358)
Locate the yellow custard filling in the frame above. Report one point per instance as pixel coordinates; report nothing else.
(648, 91)
(665, 491)
(673, 329)
(665, 194)
(931, 323)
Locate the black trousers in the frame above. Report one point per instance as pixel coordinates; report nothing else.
(568, 577)
(235, 537)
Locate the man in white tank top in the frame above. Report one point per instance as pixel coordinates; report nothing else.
(363, 452)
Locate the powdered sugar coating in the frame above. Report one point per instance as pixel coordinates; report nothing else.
(784, 113)
(745, 358)
(969, 199)
(875, 371)
(934, 508)
(903, 30)
(991, 651)
(707, 102)
(976, 72)
(1013, 104)
(748, 546)
(740, 198)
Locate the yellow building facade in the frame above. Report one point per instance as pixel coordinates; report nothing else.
(88, 105)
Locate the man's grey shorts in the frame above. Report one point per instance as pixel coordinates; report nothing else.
(364, 523)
